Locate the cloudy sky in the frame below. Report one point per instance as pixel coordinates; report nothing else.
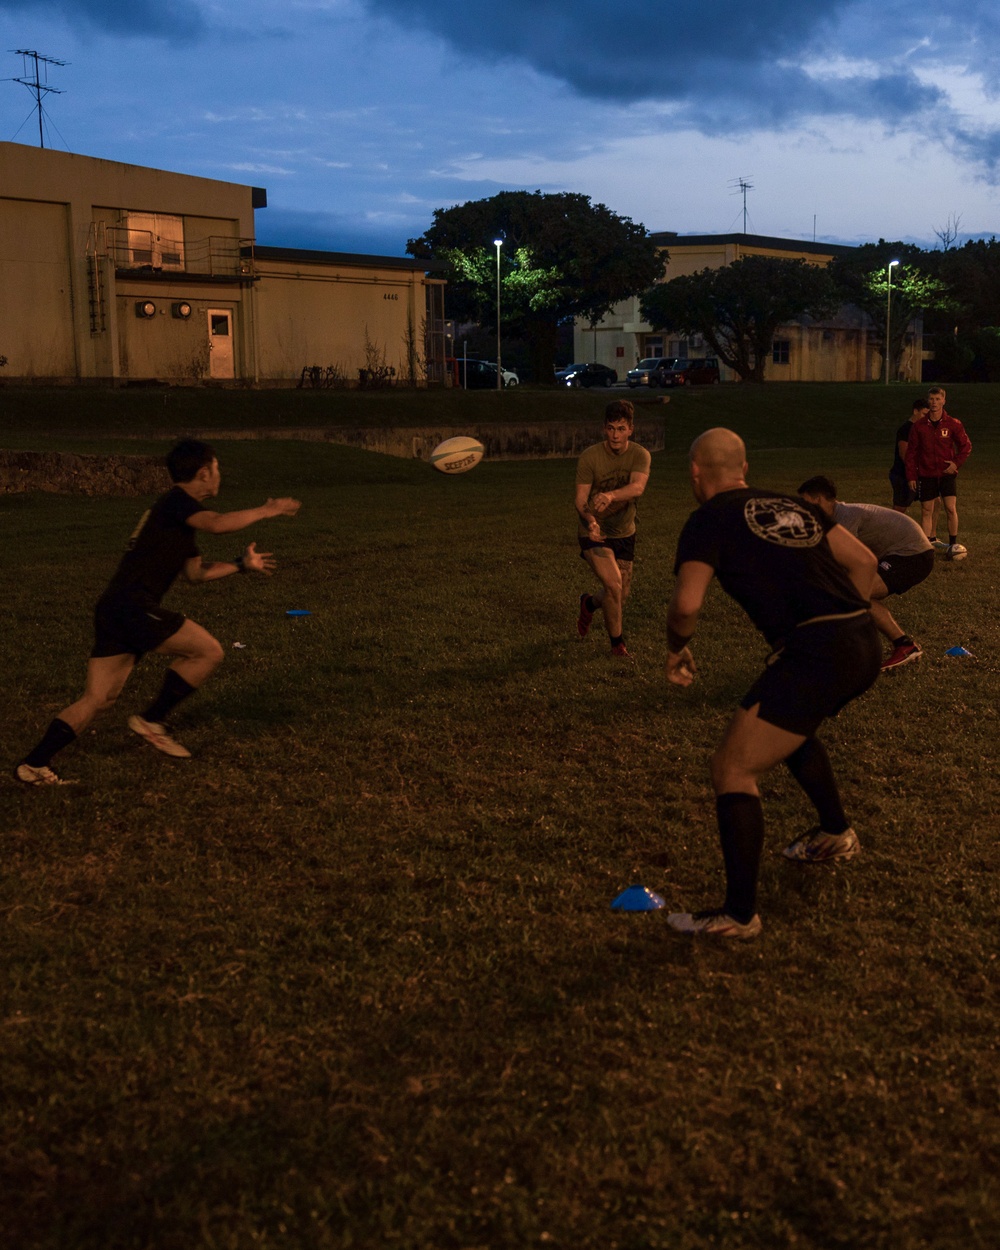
(851, 120)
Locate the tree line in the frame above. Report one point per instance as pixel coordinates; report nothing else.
(561, 257)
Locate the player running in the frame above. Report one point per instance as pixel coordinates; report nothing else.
(128, 618)
(610, 477)
(904, 553)
(805, 583)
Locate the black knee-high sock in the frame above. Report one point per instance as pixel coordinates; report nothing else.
(175, 688)
(810, 766)
(741, 833)
(57, 736)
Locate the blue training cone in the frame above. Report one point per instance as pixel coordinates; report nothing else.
(638, 898)
(960, 651)
(298, 612)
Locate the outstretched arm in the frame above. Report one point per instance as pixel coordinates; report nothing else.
(230, 522)
(693, 578)
(251, 561)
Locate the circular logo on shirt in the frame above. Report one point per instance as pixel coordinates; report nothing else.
(783, 522)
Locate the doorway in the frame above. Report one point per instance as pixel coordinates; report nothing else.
(221, 358)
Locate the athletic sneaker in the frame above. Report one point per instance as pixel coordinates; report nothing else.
(714, 924)
(620, 652)
(904, 653)
(585, 617)
(157, 736)
(956, 552)
(939, 545)
(816, 847)
(42, 776)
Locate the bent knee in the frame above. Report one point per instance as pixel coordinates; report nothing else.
(213, 654)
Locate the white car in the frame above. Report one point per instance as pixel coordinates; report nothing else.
(510, 378)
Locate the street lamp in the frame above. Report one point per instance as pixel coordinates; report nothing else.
(888, 313)
(497, 243)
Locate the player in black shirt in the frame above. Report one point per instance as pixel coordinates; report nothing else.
(902, 496)
(805, 583)
(128, 618)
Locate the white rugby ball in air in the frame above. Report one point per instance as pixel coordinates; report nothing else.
(457, 455)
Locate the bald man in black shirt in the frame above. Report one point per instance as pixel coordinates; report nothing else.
(806, 583)
(129, 619)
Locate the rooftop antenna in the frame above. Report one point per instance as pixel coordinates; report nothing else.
(740, 187)
(39, 88)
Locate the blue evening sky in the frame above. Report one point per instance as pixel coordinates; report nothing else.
(360, 117)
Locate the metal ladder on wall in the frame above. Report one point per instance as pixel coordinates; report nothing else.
(95, 277)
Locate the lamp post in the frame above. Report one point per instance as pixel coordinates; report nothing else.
(497, 243)
(888, 315)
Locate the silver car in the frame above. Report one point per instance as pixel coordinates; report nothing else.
(639, 376)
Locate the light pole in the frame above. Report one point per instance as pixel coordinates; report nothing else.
(497, 243)
(888, 314)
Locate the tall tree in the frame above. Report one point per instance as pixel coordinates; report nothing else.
(863, 279)
(972, 274)
(560, 257)
(738, 307)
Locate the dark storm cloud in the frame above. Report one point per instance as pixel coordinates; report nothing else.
(724, 65)
(175, 20)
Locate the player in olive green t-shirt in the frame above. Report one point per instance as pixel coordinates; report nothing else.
(610, 477)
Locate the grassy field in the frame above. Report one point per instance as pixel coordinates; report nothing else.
(350, 977)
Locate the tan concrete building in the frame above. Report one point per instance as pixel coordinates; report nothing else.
(111, 273)
(839, 349)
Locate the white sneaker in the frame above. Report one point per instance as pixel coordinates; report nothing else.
(939, 545)
(817, 847)
(42, 776)
(157, 736)
(714, 924)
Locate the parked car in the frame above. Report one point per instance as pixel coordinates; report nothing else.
(640, 375)
(591, 374)
(510, 378)
(474, 375)
(685, 372)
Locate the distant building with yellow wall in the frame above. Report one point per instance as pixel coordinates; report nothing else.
(842, 348)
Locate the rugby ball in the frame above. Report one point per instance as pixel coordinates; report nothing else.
(457, 455)
(958, 552)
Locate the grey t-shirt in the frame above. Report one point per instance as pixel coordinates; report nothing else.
(883, 531)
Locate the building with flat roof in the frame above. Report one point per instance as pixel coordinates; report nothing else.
(841, 348)
(114, 273)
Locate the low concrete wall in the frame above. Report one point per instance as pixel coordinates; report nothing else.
(63, 473)
(556, 440)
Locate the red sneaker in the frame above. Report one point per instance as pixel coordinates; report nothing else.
(585, 617)
(905, 653)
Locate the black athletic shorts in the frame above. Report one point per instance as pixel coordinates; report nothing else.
(819, 670)
(902, 573)
(623, 549)
(123, 626)
(902, 496)
(930, 487)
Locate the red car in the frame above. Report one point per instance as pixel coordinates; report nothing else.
(703, 371)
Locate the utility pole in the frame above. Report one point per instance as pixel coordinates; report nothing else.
(35, 85)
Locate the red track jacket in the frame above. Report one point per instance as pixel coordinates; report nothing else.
(932, 444)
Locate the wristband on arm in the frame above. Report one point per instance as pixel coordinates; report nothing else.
(677, 642)
(240, 566)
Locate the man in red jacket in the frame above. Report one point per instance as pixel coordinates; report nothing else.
(937, 449)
